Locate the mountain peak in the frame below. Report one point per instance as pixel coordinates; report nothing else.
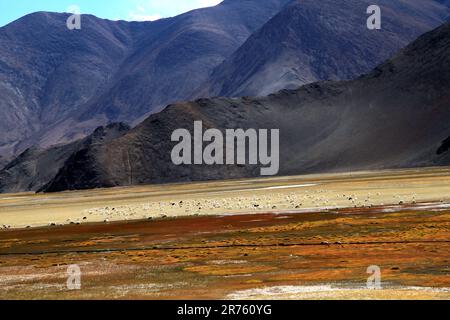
(58, 84)
(313, 40)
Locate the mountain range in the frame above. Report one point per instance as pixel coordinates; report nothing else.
(310, 41)
(395, 116)
(57, 86)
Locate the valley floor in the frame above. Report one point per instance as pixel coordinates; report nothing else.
(281, 238)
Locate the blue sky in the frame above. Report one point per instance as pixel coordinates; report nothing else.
(140, 10)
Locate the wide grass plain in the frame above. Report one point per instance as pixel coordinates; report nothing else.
(303, 237)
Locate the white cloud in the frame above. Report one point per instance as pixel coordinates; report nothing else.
(135, 16)
(151, 10)
(207, 3)
(140, 14)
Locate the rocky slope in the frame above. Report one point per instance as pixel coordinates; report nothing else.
(58, 85)
(395, 116)
(35, 167)
(313, 40)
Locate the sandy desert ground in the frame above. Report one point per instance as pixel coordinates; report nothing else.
(304, 237)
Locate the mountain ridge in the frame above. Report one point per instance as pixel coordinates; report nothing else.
(310, 41)
(395, 116)
(35, 167)
(58, 85)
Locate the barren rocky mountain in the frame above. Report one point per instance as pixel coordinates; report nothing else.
(32, 169)
(57, 85)
(4, 161)
(48, 72)
(312, 40)
(395, 116)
